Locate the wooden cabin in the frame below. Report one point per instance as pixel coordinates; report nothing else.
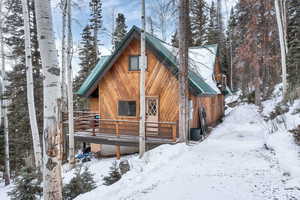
(113, 92)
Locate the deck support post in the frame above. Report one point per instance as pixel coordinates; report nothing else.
(118, 149)
(174, 126)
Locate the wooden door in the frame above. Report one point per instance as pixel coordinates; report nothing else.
(152, 111)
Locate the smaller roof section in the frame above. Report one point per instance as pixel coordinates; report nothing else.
(201, 64)
(92, 78)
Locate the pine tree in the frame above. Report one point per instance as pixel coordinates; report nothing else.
(27, 186)
(293, 67)
(199, 19)
(256, 48)
(88, 60)
(212, 30)
(20, 133)
(120, 30)
(231, 43)
(96, 22)
(81, 183)
(113, 176)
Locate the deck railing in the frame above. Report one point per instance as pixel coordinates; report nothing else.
(90, 122)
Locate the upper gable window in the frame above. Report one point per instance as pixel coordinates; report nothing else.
(134, 63)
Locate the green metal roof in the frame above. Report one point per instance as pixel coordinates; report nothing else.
(196, 82)
(92, 78)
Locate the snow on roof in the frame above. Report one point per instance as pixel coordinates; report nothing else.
(201, 61)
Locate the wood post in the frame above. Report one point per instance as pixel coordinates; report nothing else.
(174, 126)
(118, 150)
(93, 127)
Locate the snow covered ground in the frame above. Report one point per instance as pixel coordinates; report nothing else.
(232, 164)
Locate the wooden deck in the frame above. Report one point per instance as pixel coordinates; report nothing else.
(122, 140)
(90, 128)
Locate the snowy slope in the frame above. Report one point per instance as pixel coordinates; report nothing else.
(231, 164)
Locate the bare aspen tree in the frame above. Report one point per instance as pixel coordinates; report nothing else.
(30, 90)
(183, 70)
(283, 46)
(163, 15)
(70, 86)
(63, 54)
(3, 105)
(142, 85)
(52, 182)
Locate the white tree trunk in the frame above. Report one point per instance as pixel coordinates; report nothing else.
(142, 85)
(70, 87)
(283, 49)
(4, 106)
(183, 71)
(30, 90)
(52, 182)
(63, 54)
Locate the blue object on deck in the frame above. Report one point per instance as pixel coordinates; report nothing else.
(83, 155)
(97, 116)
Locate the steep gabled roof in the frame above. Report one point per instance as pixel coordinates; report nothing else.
(201, 64)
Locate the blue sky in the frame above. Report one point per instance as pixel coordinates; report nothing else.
(131, 10)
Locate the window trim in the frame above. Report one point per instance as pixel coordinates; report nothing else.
(129, 63)
(136, 108)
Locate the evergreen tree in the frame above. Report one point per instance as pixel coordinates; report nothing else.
(114, 175)
(120, 30)
(231, 40)
(20, 133)
(293, 67)
(256, 47)
(96, 22)
(88, 60)
(199, 19)
(81, 183)
(212, 30)
(27, 186)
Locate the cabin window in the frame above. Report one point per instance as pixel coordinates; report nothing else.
(127, 108)
(134, 63)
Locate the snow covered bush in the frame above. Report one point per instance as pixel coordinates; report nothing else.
(114, 175)
(27, 185)
(81, 183)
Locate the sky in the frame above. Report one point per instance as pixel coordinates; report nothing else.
(131, 10)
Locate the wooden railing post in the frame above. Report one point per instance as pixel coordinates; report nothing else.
(174, 132)
(118, 149)
(93, 127)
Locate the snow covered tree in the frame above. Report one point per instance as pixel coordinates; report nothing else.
(52, 134)
(82, 182)
(199, 19)
(113, 176)
(88, 60)
(27, 185)
(120, 30)
(293, 67)
(96, 22)
(212, 30)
